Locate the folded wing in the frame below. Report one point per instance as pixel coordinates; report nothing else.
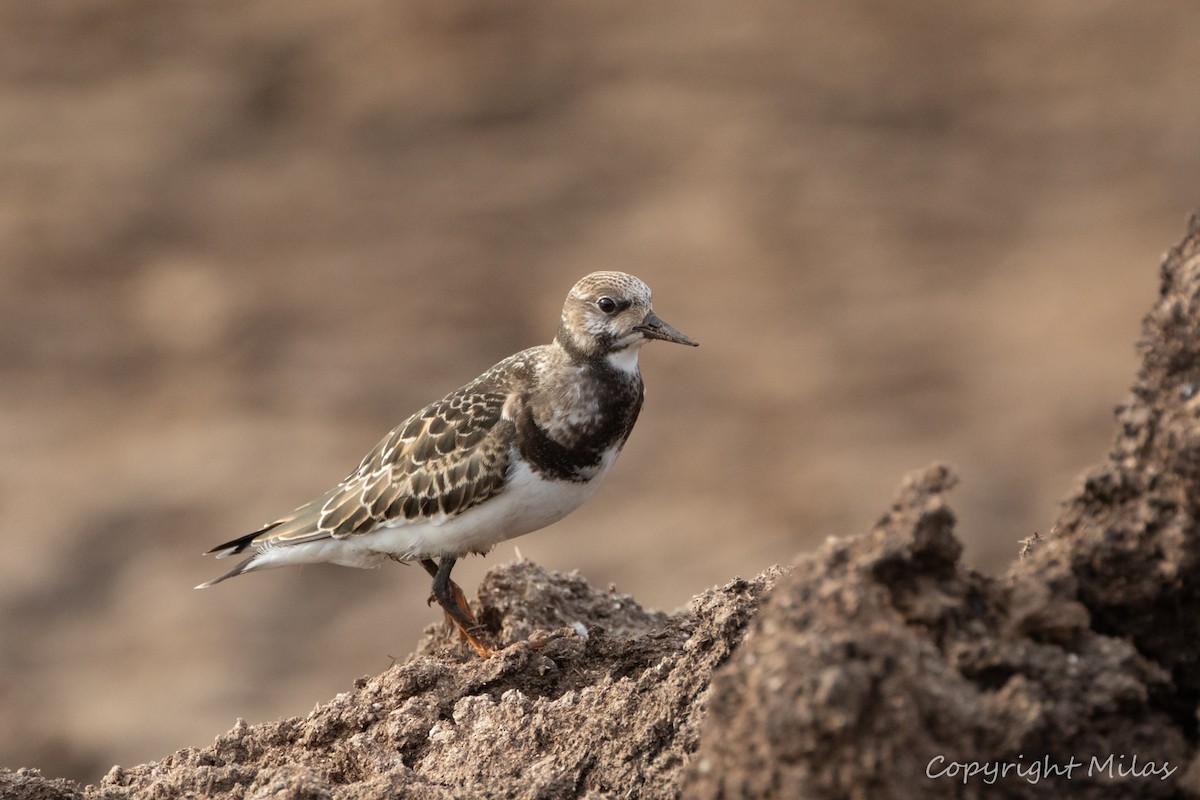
(438, 463)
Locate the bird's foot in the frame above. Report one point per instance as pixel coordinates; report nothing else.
(450, 597)
(468, 626)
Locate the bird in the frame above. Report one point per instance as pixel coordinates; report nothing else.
(513, 451)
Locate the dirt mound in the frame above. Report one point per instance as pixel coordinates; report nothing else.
(608, 699)
(883, 661)
(879, 667)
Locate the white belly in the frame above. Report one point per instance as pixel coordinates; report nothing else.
(527, 503)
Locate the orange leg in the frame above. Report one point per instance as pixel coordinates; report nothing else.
(452, 600)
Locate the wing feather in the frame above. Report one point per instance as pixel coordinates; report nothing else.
(440, 462)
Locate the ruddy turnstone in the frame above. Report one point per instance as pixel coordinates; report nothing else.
(514, 450)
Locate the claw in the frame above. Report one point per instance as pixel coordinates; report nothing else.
(473, 631)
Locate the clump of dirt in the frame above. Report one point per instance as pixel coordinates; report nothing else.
(605, 697)
(883, 660)
(881, 666)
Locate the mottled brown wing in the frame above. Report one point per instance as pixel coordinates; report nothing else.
(439, 462)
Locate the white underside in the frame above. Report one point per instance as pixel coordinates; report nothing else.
(526, 504)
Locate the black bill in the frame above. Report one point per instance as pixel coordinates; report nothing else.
(654, 327)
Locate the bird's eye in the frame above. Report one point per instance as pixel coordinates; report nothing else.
(607, 305)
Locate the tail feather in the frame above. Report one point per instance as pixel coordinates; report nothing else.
(240, 544)
(233, 547)
(233, 573)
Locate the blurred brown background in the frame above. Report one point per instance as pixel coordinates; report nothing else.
(241, 240)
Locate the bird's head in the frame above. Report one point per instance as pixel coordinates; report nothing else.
(609, 315)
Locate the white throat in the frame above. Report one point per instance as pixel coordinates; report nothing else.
(625, 360)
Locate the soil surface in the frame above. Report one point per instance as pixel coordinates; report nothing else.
(868, 669)
(597, 696)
